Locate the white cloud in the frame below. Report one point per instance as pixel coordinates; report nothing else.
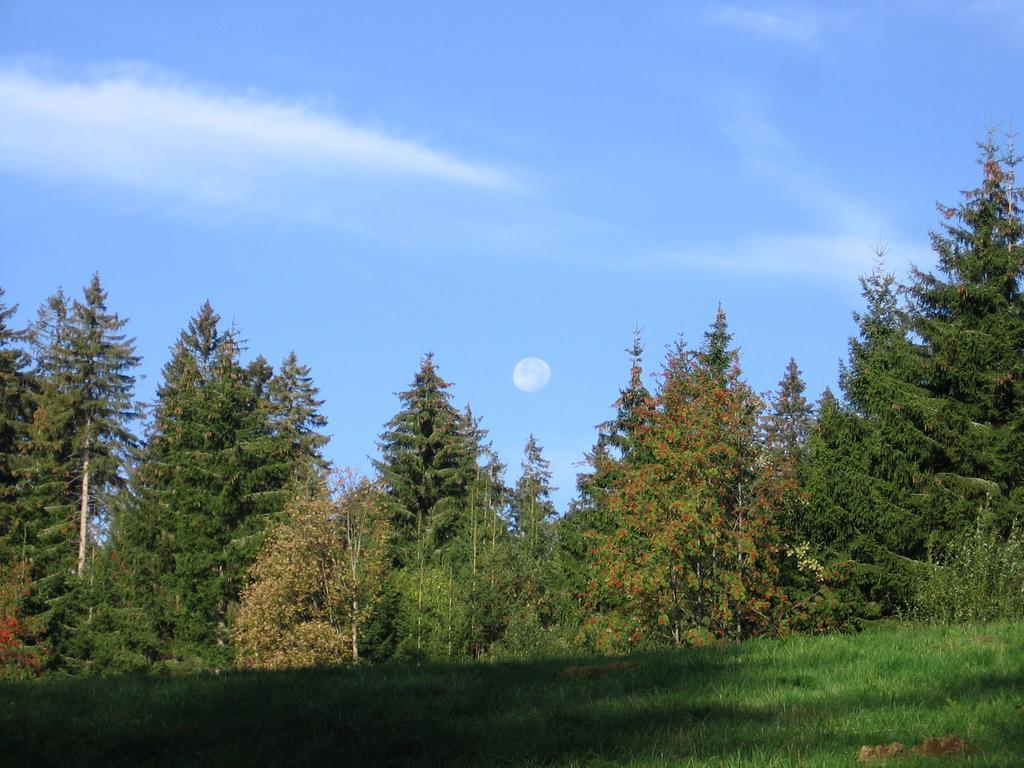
(792, 29)
(839, 255)
(136, 131)
(841, 246)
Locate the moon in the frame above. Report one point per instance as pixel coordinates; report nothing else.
(531, 374)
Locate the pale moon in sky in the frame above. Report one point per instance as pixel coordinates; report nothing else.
(531, 374)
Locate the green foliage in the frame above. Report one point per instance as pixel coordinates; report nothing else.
(425, 466)
(226, 446)
(443, 483)
(790, 418)
(15, 421)
(81, 441)
(979, 578)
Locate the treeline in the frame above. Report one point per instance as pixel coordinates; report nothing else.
(219, 534)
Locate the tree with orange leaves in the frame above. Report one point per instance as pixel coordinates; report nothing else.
(693, 555)
(18, 658)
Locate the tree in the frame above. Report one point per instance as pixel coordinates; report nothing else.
(101, 379)
(969, 322)
(618, 445)
(18, 655)
(295, 414)
(427, 465)
(791, 417)
(693, 555)
(532, 508)
(80, 442)
(617, 441)
(15, 419)
(212, 476)
(317, 578)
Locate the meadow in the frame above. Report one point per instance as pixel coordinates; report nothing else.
(800, 701)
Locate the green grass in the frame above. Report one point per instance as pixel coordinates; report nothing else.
(800, 701)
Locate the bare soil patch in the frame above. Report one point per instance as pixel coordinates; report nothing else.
(939, 746)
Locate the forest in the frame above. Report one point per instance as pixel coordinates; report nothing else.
(206, 530)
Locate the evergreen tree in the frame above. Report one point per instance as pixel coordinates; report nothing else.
(482, 579)
(791, 417)
(426, 468)
(103, 358)
(81, 441)
(15, 418)
(532, 508)
(542, 610)
(425, 464)
(295, 413)
(618, 444)
(212, 475)
(863, 468)
(969, 322)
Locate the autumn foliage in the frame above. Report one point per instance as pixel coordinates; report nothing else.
(316, 580)
(18, 658)
(694, 555)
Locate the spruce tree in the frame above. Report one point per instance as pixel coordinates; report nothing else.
(532, 508)
(211, 477)
(81, 441)
(295, 414)
(426, 469)
(863, 471)
(425, 463)
(15, 418)
(619, 444)
(103, 358)
(969, 322)
(790, 418)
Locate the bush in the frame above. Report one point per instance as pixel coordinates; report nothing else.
(980, 579)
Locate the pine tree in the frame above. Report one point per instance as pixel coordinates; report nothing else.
(791, 417)
(81, 441)
(969, 320)
(15, 418)
(425, 463)
(295, 414)
(532, 508)
(211, 477)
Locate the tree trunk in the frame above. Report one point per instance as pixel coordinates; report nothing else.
(83, 513)
(355, 627)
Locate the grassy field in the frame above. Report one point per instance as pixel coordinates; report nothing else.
(801, 701)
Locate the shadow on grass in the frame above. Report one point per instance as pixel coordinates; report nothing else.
(820, 701)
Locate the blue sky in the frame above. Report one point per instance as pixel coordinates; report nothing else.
(364, 182)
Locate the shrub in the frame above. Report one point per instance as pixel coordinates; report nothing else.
(980, 579)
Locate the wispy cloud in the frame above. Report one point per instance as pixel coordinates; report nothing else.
(840, 246)
(135, 130)
(801, 29)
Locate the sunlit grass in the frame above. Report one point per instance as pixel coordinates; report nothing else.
(801, 701)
